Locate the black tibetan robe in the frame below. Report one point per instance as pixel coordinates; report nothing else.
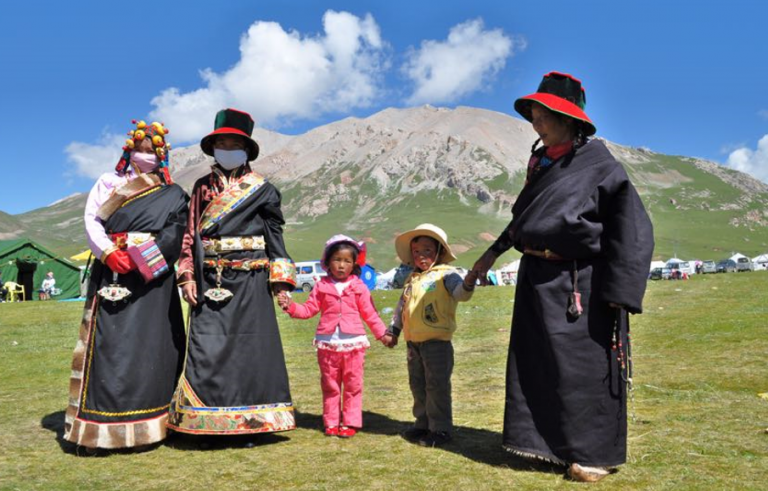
(566, 387)
(130, 353)
(235, 380)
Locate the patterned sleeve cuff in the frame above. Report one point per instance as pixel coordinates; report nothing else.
(149, 260)
(282, 270)
(107, 252)
(185, 275)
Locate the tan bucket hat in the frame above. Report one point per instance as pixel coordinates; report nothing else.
(403, 242)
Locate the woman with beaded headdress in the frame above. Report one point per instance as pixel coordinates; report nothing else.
(233, 260)
(131, 344)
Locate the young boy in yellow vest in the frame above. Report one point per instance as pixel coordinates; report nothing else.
(426, 313)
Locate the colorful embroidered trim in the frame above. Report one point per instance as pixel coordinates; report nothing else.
(282, 270)
(341, 347)
(149, 260)
(214, 246)
(229, 199)
(141, 195)
(189, 415)
(237, 264)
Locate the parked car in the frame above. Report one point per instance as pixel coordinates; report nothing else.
(744, 264)
(682, 266)
(726, 266)
(307, 273)
(708, 267)
(660, 273)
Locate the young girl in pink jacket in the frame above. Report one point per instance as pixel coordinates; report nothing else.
(342, 299)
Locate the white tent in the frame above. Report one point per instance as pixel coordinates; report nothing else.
(760, 262)
(384, 280)
(657, 264)
(507, 274)
(736, 257)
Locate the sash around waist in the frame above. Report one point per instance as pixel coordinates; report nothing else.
(127, 239)
(216, 245)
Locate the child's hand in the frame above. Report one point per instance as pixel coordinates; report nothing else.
(284, 300)
(388, 340)
(470, 279)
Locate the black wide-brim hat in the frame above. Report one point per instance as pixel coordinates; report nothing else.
(232, 122)
(561, 93)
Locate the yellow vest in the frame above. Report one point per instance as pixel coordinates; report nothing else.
(429, 310)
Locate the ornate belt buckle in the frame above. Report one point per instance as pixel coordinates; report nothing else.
(114, 292)
(218, 294)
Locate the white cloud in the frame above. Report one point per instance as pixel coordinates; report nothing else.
(92, 160)
(753, 162)
(283, 76)
(444, 71)
(763, 113)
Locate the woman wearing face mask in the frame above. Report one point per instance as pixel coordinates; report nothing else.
(129, 354)
(233, 260)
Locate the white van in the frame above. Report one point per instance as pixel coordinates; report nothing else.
(307, 273)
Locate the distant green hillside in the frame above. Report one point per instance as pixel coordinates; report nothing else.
(695, 214)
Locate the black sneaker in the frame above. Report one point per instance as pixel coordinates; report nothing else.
(414, 434)
(435, 439)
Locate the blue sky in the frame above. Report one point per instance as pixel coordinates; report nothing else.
(679, 77)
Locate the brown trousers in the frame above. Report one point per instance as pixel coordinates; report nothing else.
(430, 364)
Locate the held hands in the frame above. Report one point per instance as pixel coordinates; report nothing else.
(481, 267)
(284, 300)
(470, 280)
(388, 340)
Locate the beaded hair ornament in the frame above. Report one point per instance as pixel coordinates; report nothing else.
(154, 131)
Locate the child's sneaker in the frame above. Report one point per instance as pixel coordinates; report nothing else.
(347, 432)
(435, 439)
(414, 434)
(332, 431)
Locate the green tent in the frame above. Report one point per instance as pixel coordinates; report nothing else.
(26, 263)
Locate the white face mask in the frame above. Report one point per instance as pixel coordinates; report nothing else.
(146, 162)
(230, 159)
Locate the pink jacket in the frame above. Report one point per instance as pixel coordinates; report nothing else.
(343, 311)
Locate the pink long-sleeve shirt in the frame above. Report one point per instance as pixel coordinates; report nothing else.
(98, 240)
(343, 310)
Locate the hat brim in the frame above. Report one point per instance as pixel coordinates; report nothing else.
(403, 245)
(558, 105)
(207, 142)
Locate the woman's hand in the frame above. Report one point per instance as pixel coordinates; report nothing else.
(482, 265)
(284, 300)
(189, 293)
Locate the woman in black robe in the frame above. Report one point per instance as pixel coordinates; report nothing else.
(129, 354)
(587, 244)
(235, 380)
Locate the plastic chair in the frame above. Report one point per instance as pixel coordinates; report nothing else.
(14, 292)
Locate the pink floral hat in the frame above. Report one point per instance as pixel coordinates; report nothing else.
(338, 239)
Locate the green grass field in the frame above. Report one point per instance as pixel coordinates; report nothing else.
(696, 419)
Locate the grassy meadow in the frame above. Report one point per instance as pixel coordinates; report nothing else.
(696, 421)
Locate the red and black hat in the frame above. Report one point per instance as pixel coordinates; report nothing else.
(232, 122)
(561, 93)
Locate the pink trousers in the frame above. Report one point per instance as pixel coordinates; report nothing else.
(342, 371)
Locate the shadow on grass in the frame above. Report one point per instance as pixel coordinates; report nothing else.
(479, 445)
(54, 422)
(206, 443)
